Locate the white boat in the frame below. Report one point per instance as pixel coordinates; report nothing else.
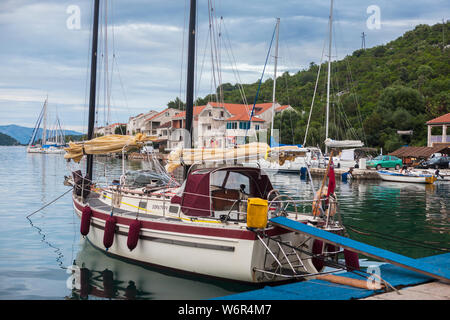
(406, 177)
(215, 224)
(52, 142)
(202, 227)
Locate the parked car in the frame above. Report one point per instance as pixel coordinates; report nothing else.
(436, 163)
(384, 162)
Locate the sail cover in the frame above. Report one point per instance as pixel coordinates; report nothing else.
(179, 157)
(254, 150)
(343, 143)
(103, 145)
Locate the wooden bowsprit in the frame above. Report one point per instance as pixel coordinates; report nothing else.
(439, 273)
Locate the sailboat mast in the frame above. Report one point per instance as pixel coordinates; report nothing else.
(89, 165)
(274, 80)
(329, 72)
(190, 72)
(44, 130)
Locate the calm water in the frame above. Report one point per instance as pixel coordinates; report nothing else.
(36, 254)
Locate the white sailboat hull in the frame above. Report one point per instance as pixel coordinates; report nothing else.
(227, 252)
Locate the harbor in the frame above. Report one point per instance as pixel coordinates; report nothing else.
(233, 178)
(420, 214)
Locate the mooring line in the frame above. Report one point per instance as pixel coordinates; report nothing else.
(46, 205)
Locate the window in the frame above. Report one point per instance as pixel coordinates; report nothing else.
(234, 180)
(256, 127)
(231, 125)
(244, 125)
(221, 114)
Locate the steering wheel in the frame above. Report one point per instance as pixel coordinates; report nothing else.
(281, 202)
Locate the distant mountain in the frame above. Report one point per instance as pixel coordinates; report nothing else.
(6, 140)
(23, 134)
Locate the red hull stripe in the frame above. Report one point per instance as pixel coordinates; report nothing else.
(185, 229)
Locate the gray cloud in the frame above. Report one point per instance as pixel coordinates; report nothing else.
(40, 55)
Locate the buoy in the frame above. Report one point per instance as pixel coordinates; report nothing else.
(351, 260)
(302, 173)
(317, 249)
(133, 234)
(110, 228)
(85, 220)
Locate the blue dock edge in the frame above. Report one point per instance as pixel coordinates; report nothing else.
(323, 290)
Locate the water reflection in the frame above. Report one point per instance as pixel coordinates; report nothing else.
(99, 276)
(416, 212)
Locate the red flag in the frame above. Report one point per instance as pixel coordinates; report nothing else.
(331, 180)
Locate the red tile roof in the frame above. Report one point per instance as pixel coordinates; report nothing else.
(281, 108)
(154, 116)
(236, 109)
(232, 108)
(440, 120)
(197, 110)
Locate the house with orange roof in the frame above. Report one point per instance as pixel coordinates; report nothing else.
(136, 123)
(443, 122)
(151, 123)
(222, 125)
(219, 125)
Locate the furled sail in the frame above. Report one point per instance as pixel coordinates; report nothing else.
(103, 145)
(244, 152)
(343, 143)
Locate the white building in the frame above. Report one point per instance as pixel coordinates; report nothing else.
(135, 124)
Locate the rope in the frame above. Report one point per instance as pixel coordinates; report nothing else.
(49, 203)
(259, 85)
(391, 237)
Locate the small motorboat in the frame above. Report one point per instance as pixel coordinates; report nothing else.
(407, 176)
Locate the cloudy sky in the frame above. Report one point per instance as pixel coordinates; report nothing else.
(45, 48)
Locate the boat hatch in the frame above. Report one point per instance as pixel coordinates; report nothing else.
(216, 192)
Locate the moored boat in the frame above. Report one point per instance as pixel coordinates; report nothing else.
(206, 226)
(406, 177)
(216, 224)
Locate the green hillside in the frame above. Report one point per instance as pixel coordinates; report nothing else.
(6, 140)
(375, 92)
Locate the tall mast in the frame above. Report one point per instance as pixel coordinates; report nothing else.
(89, 165)
(329, 71)
(44, 131)
(274, 81)
(190, 72)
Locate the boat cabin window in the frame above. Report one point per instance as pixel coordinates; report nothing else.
(227, 189)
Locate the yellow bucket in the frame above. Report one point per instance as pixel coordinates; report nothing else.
(257, 213)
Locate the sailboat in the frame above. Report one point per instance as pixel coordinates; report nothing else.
(329, 142)
(296, 156)
(52, 141)
(215, 224)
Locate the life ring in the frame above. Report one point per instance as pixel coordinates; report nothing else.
(319, 199)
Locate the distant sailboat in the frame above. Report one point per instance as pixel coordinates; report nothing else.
(51, 142)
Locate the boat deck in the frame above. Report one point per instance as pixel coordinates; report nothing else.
(400, 278)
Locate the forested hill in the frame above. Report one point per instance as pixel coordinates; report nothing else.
(6, 140)
(376, 91)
